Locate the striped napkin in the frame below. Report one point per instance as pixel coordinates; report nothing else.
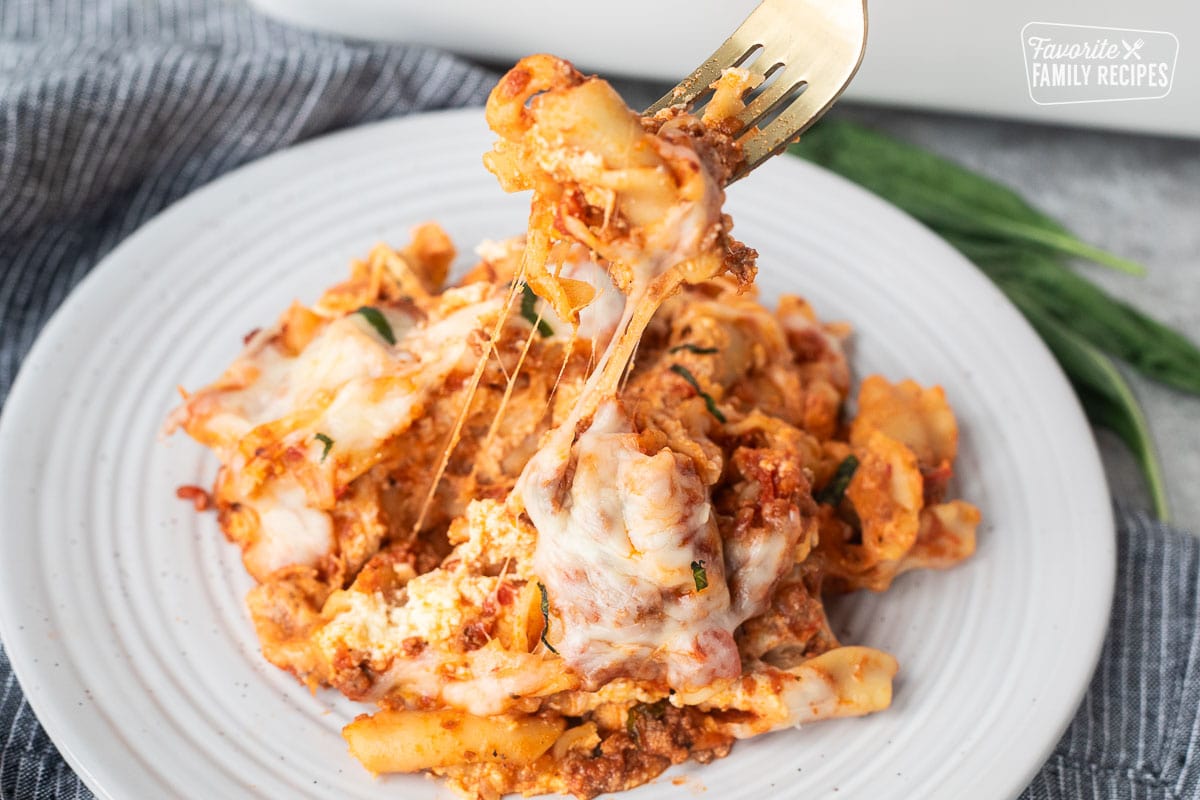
(107, 116)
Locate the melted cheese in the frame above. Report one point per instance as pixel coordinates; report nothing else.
(435, 605)
(290, 531)
(617, 537)
(432, 610)
(378, 401)
(345, 350)
(347, 385)
(598, 320)
(619, 530)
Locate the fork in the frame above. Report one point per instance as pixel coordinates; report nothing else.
(804, 51)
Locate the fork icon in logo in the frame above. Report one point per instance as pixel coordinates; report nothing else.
(1132, 49)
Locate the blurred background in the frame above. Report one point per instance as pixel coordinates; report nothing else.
(930, 54)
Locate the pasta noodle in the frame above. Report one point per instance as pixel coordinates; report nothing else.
(408, 741)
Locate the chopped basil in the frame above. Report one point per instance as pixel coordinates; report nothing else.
(545, 617)
(529, 312)
(656, 710)
(379, 322)
(325, 440)
(835, 490)
(699, 575)
(686, 374)
(693, 348)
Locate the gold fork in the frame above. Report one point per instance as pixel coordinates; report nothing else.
(804, 51)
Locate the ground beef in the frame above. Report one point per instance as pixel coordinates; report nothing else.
(652, 742)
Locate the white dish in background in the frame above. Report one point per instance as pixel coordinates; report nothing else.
(122, 609)
(944, 55)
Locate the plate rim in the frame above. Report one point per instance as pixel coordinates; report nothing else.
(22, 399)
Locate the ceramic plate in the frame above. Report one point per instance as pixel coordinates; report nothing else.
(122, 609)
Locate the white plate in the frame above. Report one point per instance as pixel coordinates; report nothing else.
(122, 609)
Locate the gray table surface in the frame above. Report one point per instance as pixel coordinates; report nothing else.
(1137, 196)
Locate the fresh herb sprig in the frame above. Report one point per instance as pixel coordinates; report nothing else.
(328, 444)
(693, 348)
(379, 322)
(1102, 390)
(656, 710)
(940, 193)
(545, 617)
(1026, 253)
(833, 492)
(529, 311)
(687, 375)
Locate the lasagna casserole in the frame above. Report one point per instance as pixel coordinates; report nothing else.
(570, 519)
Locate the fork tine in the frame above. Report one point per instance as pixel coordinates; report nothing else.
(784, 84)
(732, 52)
(820, 52)
(839, 36)
(759, 30)
(759, 145)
